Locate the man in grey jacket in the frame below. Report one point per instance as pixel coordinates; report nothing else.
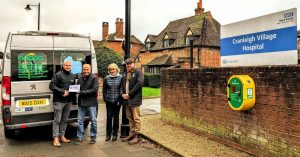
(62, 101)
(87, 102)
(132, 94)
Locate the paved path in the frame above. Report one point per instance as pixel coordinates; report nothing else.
(37, 142)
(150, 106)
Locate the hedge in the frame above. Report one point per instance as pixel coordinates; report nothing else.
(146, 79)
(154, 80)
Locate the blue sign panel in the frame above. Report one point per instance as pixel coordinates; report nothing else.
(283, 39)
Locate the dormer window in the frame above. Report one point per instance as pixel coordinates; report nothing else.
(166, 41)
(149, 44)
(189, 36)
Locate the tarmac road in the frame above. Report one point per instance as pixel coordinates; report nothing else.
(37, 142)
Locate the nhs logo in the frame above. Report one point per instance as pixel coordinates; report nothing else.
(287, 17)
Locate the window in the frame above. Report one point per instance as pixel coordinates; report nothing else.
(41, 65)
(148, 45)
(146, 69)
(77, 59)
(166, 43)
(31, 65)
(187, 40)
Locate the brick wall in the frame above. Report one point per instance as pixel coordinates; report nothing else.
(196, 99)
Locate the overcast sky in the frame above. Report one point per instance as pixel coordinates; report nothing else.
(147, 16)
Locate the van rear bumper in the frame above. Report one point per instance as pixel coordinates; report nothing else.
(35, 124)
(34, 120)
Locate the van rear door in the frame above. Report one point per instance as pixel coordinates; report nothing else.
(31, 69)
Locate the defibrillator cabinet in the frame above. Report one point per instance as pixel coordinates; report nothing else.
(241, 92)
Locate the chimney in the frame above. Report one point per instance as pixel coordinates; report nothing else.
(104, 30)
(119, 28)
(199, 10)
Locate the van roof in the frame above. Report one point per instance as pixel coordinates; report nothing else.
(44, 33)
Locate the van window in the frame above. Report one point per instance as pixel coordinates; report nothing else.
(37, 65)
(78, 58)
(31, 65)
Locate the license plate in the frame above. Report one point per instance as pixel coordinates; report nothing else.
(32, 102)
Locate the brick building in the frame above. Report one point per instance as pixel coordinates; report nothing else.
(171, 46)
(115, 40)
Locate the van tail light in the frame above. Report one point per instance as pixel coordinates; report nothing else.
(23, 126)
(6, 91)
(7, 120)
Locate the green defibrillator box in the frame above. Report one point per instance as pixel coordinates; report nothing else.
(241, 92)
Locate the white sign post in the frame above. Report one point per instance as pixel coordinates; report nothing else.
(265, 40)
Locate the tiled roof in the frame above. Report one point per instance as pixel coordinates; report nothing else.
(195, 30)
(172, 35)
(151, 37)
(134, 39)
(203, 26)
(162, 60)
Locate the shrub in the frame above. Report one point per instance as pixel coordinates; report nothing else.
(146, 79)
(154, 80)
(106, 56)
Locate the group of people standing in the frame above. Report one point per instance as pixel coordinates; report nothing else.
(117, 90)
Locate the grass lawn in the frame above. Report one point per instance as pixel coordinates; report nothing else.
(151, 92)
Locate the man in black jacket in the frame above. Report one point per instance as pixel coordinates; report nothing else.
(62, 101)
(132, 85)
(87, 102)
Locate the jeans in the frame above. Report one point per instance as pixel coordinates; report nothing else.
(93, 117)
(61, 115)
(112, 118)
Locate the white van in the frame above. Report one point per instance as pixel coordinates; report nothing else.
(30, 60)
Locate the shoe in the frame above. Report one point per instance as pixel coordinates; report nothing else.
(135, 140)
(114, 138)
(56, 142)
(93, 141)
(128, 138)
(107, 138)
(78, 141)
(64, 140)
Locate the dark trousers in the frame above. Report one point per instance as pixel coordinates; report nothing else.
(112, 118)
(61, 115)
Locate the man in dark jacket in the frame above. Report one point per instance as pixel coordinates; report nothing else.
(62, 101)
(87, 102)
(132, 85)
